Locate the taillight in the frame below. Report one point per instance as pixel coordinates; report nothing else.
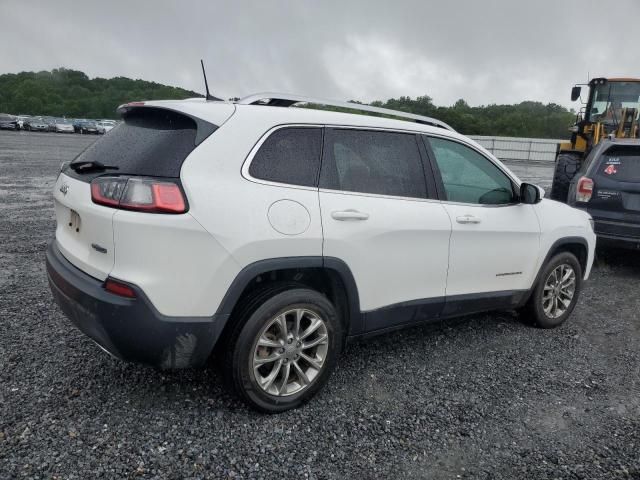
(584, 189)
(119, 288)
(138, 193)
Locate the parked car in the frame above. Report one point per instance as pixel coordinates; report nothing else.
(277, 234)
(35, 124)
(607, 186)
(63, 126)
(77, 124)
(21, 119)
(88, 126)
(51, 123)
(8, 122)
(105, 126)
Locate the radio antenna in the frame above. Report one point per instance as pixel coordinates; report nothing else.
(208, 96)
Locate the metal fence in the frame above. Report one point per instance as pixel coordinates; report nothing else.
(520, 149)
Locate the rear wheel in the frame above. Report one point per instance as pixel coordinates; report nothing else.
(557, 292)
(281, 354)
(567, 165)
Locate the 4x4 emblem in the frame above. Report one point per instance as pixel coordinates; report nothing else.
(64, 188)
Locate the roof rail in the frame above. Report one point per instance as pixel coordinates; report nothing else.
(286, 100)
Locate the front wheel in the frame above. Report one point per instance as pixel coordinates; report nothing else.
(556, 293)
(283, 353)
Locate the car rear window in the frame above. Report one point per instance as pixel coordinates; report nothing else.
(622, 165)
(151, 142)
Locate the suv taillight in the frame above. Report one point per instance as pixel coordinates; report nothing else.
(141, 194)
(584, 189)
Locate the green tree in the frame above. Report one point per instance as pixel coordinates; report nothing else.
(64, 92)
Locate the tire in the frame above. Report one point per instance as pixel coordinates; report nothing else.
(535, 310)
(567, 165)
(261, 382)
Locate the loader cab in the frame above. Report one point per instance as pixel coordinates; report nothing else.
(612, 110)
(615, 104)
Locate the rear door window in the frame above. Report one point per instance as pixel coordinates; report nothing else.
(289, 155)
(378, 162)
(150, 141)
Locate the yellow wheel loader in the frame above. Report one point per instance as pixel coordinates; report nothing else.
(611, 111)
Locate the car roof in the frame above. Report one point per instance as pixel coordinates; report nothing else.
(218, 111)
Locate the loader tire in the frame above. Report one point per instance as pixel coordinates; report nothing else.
(567, 165)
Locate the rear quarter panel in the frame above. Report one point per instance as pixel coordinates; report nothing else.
(235, 210)
(175, 261)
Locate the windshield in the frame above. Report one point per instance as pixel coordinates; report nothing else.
(611, 99)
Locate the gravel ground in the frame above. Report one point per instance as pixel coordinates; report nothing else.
(482, 397)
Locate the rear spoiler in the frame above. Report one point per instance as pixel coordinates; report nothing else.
(204, 128)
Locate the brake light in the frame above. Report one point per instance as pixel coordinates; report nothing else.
(584, 189)
(138, 193)
(119, 288)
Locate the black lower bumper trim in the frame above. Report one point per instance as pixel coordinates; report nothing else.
(130, 329)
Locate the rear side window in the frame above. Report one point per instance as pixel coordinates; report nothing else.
(290, 155)
(150, 141)
(384, 163)
(622, 165)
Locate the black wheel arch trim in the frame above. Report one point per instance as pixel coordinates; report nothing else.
(457, 305)
(251, 271)
(566, 241)
(554, 247)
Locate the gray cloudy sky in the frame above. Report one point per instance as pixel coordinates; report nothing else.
(492, 51)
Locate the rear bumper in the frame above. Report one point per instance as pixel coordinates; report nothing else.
(613, 230)
(129, 329)
(615, 227)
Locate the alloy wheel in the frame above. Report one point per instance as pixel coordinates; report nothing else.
(559, 289)
(290, 352)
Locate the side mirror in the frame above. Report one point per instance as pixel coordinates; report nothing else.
(530, 194)
(575, 93)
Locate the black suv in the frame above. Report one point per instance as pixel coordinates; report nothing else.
(607, 186)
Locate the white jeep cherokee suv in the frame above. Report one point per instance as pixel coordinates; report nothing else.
(275, 234)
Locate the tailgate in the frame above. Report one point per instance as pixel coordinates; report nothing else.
(617, 179)
(152, 142)
(84, 231)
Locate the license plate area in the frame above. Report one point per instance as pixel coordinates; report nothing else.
(74, 221)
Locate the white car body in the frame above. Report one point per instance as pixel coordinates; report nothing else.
(63, 127)
(21, 119)
(104, 127)
(406, 251)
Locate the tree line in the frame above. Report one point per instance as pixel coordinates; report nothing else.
(71, 93)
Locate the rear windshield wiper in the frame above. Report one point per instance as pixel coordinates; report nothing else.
(92, 166)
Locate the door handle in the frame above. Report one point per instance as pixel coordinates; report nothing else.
(467, 219)
(346, 215)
